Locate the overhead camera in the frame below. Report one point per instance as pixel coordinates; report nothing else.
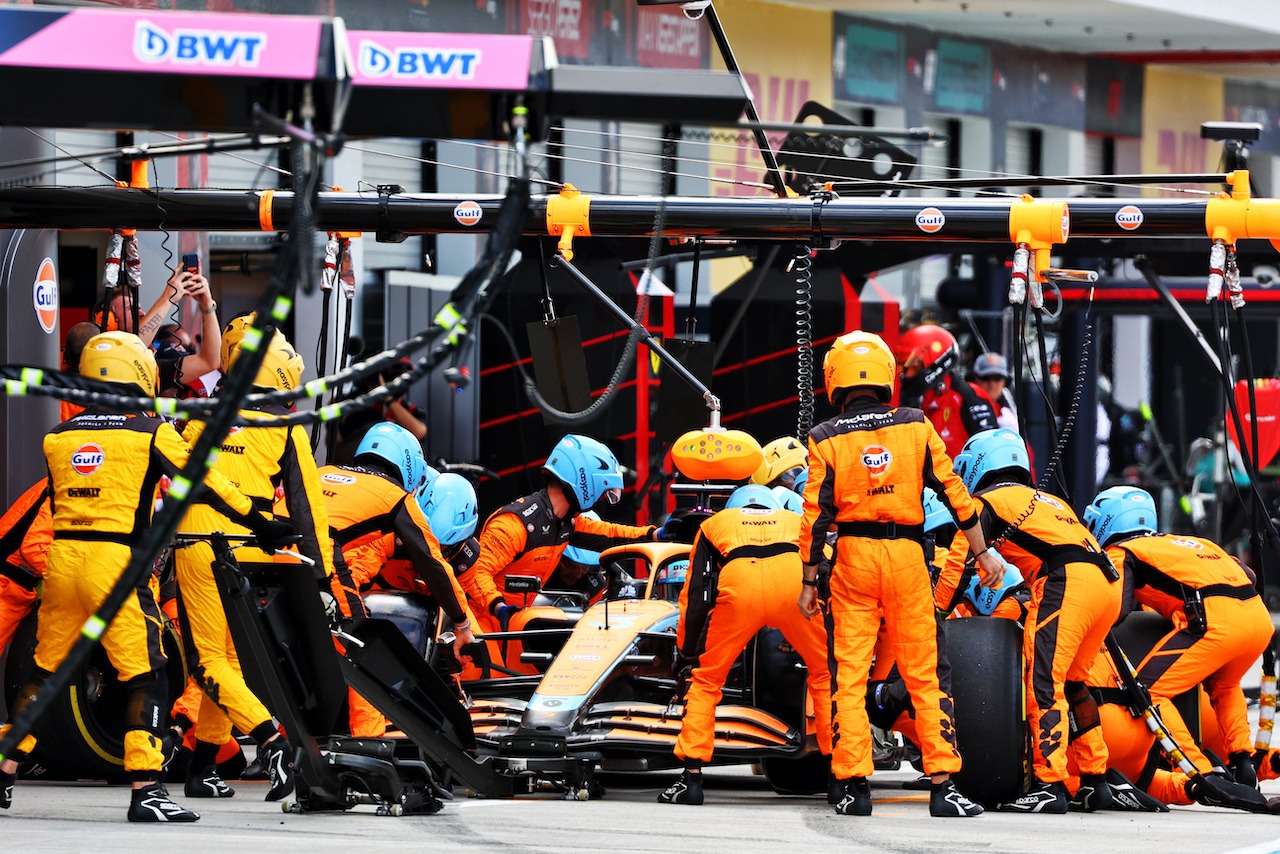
(693, 9)
(1223, 131)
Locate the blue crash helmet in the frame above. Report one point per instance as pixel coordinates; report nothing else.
(752, 495)
(581, 555)
(397, 446)
(990, 451)
(586, 469)
(788, 500)
(985, 599)
(936, 513)
(449, 503)
(1120, 510)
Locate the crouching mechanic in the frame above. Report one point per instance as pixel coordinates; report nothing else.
(103, 471)
(867, 470)
(369, 500)
(528, 536)
(1220, 624)
(1075, 600)
(256, 460)
(744, 573)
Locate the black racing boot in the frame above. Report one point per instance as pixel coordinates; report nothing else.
(152, 803)
(855, 797)
(835, 789)
(945, 801)
(6, 789)
(1240, 764)
(277, 756)
(687, 789)
(1126, 796)
(1093, 794)
(206, 783)
(1043, 798)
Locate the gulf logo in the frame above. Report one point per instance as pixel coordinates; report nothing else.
(337, 479)
(44, 296)
(930, 220)
(1046, 499)
(876, 459)
(87, 458)
(1187, 544)
(1129, 217)
(467, 213)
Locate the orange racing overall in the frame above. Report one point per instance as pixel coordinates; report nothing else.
(1075, 601)
(26, 533)
(867, 469)
(744, 574)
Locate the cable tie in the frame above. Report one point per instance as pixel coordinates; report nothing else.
(93, 627)
(179, 487)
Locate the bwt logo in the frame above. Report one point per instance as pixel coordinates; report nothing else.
(428, 63)
(876, 459)
(198, 47)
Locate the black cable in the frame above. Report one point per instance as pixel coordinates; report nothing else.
(690, 323)
(1019, 324)
(1051, 417)
(803, 262)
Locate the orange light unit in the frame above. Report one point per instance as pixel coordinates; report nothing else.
(568, 216)
(1040, 224)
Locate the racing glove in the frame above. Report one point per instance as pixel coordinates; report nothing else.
(504, 613)
(668, 533)
(272, 534)
(1240, 764)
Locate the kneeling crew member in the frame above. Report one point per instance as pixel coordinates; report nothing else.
(1075, 601)
(744, 573)
(867, 470)
(103, 471)
(1220, 624)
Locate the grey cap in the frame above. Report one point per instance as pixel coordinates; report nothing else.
(991, 365)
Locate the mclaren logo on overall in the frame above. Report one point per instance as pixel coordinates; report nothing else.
(429, 63)
(876, 459)
(87, 458)
(187, 46)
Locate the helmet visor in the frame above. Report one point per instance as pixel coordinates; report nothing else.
(788, 478)
(613, 495)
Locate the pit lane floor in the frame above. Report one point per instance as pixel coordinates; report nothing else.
(741, 815)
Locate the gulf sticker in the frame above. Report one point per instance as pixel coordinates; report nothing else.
(87, 458)
(1066, 223)
(1187, 544)
(930, 220)
(337, 478)
(44, 296)
(468, 213)
(1052, 502)
(876, 459)
(1129, 217)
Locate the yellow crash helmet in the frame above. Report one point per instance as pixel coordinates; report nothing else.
(233, 334)
(727, 455)
(780, 456)
(859, 359)
(281, 366)
(120, 357)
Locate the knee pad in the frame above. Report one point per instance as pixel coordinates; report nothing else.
(1082, 709)
(147, 706)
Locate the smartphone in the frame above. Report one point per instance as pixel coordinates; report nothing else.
(191, 262)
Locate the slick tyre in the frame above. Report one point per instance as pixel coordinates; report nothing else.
(986, 683)
(84, 728)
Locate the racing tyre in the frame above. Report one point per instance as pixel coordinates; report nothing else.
(990, 719)
(84, 726)
(804, 776)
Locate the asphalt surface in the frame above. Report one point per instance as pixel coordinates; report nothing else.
(741, 815)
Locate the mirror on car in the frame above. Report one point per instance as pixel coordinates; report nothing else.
(522, 584)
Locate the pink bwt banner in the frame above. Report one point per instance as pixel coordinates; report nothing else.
(175, 42)
(427, 60)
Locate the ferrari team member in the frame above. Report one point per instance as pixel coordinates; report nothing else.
(1220, 624)
(103, 471)
(26, 533)
(786, 464)
(256, 460)
(927, 357)
(528, 536)
(1075, 600)
(366, 502)
(867, 470)
(744, 573)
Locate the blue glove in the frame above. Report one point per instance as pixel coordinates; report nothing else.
(504, 613)
(668, 533)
